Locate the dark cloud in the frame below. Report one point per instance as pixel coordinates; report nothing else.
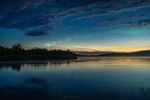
(35, 33)
(111, 19)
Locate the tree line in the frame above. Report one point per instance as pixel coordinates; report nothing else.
(17, 50)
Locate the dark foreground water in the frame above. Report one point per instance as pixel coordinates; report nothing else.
(81, 79)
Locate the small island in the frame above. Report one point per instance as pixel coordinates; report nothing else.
(16, 52)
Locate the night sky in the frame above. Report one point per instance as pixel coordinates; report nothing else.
(90, 25)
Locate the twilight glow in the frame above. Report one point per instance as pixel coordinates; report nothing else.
(84, 25)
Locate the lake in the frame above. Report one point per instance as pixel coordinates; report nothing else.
(107, 78)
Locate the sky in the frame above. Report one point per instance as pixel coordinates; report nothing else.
(82, 25)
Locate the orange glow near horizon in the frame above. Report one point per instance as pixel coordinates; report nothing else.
(97, 48)
(110, 49)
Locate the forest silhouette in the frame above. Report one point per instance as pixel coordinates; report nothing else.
(16, 52)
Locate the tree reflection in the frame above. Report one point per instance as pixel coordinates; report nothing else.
(18, 65)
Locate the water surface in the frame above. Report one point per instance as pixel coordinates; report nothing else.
(81, 79)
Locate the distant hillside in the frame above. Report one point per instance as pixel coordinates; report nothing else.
(143, 53)
(139, 53)
(96, 53)
(107, 53)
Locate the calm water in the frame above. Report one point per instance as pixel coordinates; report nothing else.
(81, 79)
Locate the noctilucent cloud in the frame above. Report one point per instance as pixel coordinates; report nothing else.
(105, 25)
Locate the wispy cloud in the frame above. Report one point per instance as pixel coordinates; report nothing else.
(26, 15)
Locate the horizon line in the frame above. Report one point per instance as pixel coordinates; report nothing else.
(128, 50)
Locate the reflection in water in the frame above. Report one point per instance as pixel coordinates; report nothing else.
(91, 60)
(81, 79)
(13, 66)
(17, 65)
